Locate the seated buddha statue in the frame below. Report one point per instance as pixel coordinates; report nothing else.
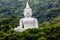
(28, 21)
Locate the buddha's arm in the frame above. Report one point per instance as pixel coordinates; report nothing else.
(20, 23)
(36, 23)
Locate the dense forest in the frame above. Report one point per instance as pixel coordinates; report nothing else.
(46, 11)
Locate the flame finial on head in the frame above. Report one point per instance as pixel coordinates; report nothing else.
(27, 5)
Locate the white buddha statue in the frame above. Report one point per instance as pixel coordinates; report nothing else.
(28, 21)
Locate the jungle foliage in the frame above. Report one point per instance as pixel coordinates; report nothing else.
(46, 11)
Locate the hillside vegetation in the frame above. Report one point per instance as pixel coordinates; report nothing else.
(46, 11)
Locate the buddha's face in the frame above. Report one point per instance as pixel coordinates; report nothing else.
(28, 13)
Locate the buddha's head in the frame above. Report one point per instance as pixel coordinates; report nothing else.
(27, 11)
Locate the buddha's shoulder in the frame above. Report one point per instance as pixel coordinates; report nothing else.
(34, 18)
(21, 18)
(30, 18)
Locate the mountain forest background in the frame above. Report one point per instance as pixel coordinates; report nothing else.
(46, 11)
